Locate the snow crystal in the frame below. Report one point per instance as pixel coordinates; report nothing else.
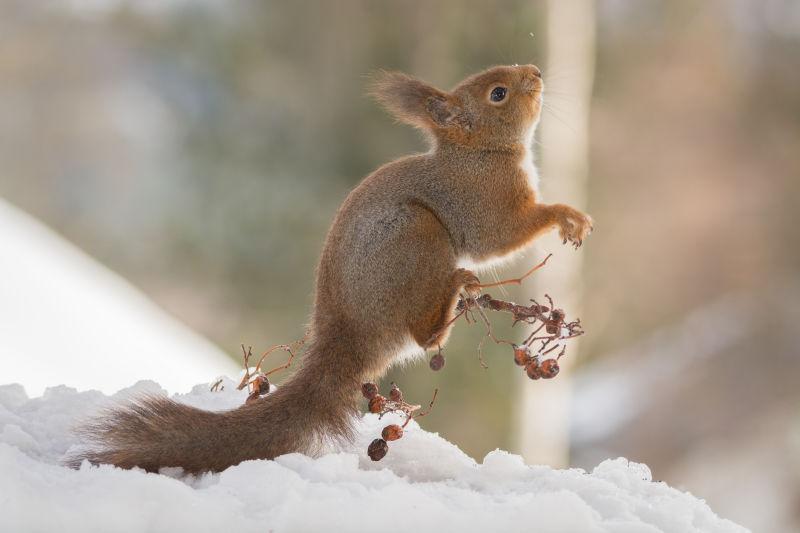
(425, 483)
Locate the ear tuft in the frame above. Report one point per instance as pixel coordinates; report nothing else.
(412, 101)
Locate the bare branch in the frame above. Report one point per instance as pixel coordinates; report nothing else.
(517, 281)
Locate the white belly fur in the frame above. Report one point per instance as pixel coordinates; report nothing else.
(408, 352)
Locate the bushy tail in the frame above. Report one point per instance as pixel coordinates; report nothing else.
(153, 432)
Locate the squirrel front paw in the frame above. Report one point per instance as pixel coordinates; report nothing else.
(467, 280)
(574, 226)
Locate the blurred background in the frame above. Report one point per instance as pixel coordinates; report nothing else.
(199, 149)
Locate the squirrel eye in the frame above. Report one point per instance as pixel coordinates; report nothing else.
(498, 94)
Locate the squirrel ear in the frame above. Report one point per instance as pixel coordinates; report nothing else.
(415, 102)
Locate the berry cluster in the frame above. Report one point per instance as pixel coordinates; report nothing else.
(535, 369)
(543, 317)
(381, 405)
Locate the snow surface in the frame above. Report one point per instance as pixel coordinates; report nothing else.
(61, 311)
(425, 484)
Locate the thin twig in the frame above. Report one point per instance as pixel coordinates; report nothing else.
(422, 413)
(246, 355)
(518, 280)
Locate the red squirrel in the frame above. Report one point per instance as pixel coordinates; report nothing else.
(388, 279)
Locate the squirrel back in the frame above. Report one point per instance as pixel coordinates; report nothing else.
(388, 278)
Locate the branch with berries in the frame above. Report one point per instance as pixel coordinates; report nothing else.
(257, 380)
(394, 403)
(534, 353)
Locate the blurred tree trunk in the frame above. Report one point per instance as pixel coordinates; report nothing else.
(543, 430)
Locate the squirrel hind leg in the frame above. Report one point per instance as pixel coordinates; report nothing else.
(432, 328)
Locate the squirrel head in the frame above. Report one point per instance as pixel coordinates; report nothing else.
(496, 108)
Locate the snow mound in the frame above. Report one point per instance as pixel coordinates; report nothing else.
(425, 484)
(60, 311)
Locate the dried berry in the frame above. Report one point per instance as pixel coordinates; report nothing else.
(261, 385)
(552, 328)
(369, 390)
(377, 403)
(437, 362)
(392, 432)
(522, 354)
(532, 369)
(549, 368)
(252, 397)
(395, 394)
(377, 449)
(558, 315)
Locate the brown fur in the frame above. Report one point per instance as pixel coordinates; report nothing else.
(388, 276)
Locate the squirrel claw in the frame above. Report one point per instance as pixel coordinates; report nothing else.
(575, 227)
(469, 281)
